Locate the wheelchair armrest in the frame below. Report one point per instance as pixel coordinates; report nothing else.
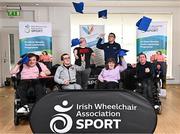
(15, 81)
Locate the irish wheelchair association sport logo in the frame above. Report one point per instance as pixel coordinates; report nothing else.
(63, 117)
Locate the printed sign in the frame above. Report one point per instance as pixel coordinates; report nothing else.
(93, 112)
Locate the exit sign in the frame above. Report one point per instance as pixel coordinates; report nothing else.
(13, 12)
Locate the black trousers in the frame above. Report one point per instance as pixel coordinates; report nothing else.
(148, 90)
(28, 88)
(108, 85)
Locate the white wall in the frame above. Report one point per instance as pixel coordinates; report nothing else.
(123, 25)
(60, 19)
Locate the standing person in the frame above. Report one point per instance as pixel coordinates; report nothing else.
(111, 48)
(82, 76)
(144, 71)
(66, 74)
(159, 74)
(110, 75)
(161, 59)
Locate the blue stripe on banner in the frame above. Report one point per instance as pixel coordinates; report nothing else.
(151, 43)
(34, 44)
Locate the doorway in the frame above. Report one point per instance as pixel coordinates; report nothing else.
(9, 52)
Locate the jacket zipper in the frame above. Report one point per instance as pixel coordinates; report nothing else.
(69, 76)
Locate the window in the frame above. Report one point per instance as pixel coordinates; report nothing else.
(12, 53)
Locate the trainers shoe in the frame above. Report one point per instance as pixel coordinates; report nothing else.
(156, 107)
(23, 109)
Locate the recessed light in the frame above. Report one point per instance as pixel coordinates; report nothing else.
(37, 4)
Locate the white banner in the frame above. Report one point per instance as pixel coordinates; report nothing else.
(35, 37)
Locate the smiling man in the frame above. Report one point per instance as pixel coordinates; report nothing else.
(111, 48)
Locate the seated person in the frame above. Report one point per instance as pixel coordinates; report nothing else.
(159, 74)
(66, 74)
(29, 72)
(109, 76)
(144, 72)
(46, 59)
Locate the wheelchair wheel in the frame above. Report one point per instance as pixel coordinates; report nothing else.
(16, 106)
(16, 118)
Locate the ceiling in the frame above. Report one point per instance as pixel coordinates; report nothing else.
(91, 3)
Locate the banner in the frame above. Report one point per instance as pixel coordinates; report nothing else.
(91, 33)
(35, 37)
(153, 40)
(99, 111)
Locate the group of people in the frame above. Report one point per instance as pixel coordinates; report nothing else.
(75, 76)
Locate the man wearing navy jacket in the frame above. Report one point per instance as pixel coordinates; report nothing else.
(111, 48)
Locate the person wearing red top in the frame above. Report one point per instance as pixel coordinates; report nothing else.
(161, 59)
(46, 59)
(82, 76)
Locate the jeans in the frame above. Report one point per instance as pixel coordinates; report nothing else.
(72, 86)
(148, 90)
(82, 77)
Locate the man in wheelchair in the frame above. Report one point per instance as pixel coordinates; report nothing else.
(145, 75)
(27, 71)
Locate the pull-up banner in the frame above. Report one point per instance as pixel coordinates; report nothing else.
(93, 112)
(91, 34)
(153, 40)
(35, 37)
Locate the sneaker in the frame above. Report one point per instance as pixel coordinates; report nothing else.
(23, 109)
(156, 107)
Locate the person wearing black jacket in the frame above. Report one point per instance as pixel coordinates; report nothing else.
(159, 74)
(111, 48)
(144, 72)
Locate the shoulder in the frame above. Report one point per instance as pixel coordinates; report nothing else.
(149, 64)
(89, 48)
(41, 64)
(104, 69)
(73, 67)
(60, 67)
(117, 44)
(76, 48)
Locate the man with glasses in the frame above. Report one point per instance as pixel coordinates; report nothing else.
(111, 48)
(66, 74)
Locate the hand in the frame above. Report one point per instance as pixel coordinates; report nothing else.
(76, 57)
(133, 65)
(19, 61)
(93, 54)
(147, 70)
(102, 35)
(42, 74)
(83, 57)
(66, 82)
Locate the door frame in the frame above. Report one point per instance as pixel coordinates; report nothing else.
(5, 52)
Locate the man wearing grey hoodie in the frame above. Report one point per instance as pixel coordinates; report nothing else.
(66, 74)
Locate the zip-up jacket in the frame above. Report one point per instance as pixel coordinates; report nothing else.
(63, 73)
(110, 50)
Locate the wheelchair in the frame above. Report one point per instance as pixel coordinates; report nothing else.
(17, 101)
(131, 82)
